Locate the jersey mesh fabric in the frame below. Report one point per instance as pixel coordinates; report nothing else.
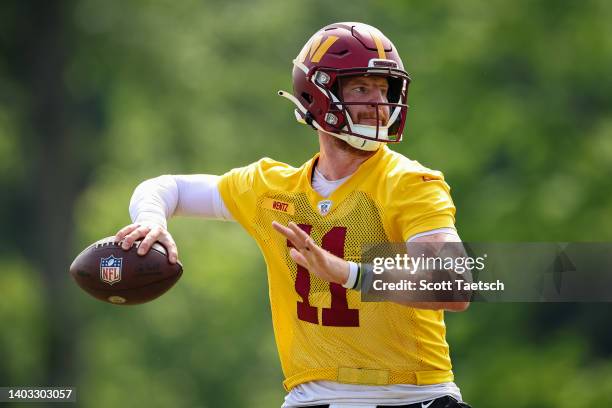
(323, 331)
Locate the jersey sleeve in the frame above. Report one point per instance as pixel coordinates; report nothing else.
(237, 189)
(241, 188)
(422, 202)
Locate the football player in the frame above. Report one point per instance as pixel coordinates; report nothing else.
(310, 222)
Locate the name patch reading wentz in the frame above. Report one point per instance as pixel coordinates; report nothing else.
(278, 205)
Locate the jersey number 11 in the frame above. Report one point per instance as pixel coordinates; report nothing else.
(339, 313)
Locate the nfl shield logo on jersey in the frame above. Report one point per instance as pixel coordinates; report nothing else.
(324, 207)
(110, 269)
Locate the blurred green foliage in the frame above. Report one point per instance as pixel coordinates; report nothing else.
(511, 99)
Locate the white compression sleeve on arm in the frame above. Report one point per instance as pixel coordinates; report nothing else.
(155, 200)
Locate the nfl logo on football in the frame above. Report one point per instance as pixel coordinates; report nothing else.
(110, 269)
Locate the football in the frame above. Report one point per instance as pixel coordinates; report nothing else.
(122, 277)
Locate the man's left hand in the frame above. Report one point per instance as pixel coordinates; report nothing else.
(307, 253)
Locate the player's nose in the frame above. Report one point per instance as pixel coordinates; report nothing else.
(378, 95)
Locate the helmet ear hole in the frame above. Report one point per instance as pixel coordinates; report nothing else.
(307, 97)
(394, 93)
(335, 88)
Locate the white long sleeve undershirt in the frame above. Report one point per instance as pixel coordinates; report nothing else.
(156, 200)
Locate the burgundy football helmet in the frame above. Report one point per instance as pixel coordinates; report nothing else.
(342, 50)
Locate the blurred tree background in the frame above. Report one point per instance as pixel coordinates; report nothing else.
(511, 99)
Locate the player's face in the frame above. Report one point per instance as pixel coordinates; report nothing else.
(366, 89)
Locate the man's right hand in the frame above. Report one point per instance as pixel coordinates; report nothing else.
(149, 233)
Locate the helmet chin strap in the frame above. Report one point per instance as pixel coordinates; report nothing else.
(358, 142)
(354, 141)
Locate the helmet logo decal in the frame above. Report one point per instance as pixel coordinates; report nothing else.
(315, 49)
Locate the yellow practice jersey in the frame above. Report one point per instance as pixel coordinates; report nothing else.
(323, 331)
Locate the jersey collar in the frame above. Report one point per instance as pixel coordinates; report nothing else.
(365, 170)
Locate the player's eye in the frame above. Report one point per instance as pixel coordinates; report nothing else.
(360, 89)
